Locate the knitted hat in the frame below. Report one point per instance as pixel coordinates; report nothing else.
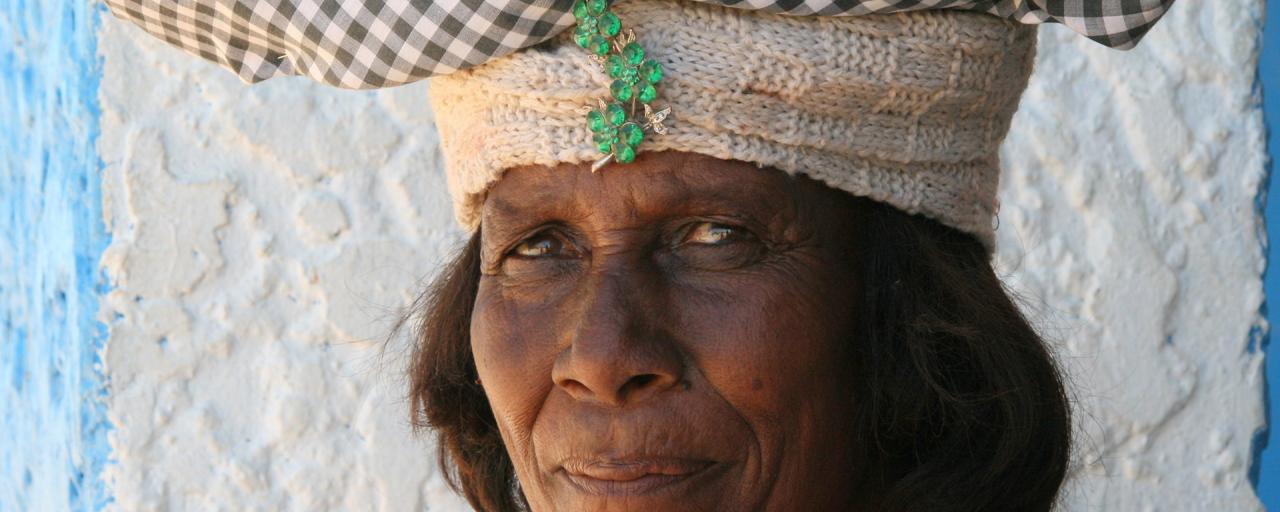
(908, 109)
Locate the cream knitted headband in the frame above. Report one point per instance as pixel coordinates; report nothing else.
(908, 109)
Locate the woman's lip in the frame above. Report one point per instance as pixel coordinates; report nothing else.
(625, 470)
(630, 477)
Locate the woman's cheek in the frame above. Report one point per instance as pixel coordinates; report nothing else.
(759, 333)
(512, 359)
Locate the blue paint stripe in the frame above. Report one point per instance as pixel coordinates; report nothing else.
(1266, 465)
(53, 427)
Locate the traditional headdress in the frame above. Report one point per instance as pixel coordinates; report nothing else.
(907, 108)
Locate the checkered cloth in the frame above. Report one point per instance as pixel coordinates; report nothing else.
(365, 44)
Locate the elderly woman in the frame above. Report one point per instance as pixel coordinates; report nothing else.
(722, 258)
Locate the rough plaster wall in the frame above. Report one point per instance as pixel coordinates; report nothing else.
(263, 234)
(1130, 226)
(263, 239)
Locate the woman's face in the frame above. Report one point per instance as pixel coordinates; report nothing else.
(667, 335)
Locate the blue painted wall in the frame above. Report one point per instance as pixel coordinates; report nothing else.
(52, 421)
(1267, 468)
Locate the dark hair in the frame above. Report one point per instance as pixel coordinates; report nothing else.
(960, 405)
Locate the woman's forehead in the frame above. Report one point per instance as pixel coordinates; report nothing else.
(656, 183)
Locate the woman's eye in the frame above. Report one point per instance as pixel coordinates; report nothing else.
(713, 246)
(540, 256)
(711, 233)
(539, 246)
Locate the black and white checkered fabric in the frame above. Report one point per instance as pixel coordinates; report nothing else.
(364, 44)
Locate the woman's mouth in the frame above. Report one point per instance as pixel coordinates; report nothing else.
(631, 477)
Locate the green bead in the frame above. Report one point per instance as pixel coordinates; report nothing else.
(614, 114)
(604, 143)
(623, 153)
(598, 45)
(633, 53)
(580, 10)
(614, 66)
(582, 37)
(630, 75)
(621, 90)
(610, 25)
(589, 24)
(632, 134)
(596, 7)
(647, 93)
(595, 121)
(651, 71)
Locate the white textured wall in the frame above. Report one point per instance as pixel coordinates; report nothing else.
(1129, 225)
(264, 236)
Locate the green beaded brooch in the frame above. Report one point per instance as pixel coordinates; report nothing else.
(617, 127)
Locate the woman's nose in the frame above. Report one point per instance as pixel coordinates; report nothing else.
(617, 354)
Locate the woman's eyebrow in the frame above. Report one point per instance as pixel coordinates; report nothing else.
(500, 229)
(757, 200)
(662, 194)
(513, 212)
(503, 208)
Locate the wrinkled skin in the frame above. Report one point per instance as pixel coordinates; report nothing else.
(667, 335)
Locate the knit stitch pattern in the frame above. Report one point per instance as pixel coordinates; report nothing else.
(908, 109)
